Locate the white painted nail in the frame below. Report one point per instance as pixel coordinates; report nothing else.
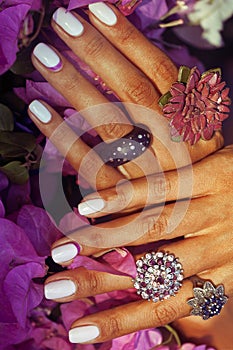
(47, 56)
(104, 13)
(83, 334)
(91, 206)
(68, 22)
(40, 111)
(59, 289)
(65, 252)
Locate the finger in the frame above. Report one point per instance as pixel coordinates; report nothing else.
(80, 283)
(150, 60)
(132, 317)
(107, 62)
(106, 118)
(140, 51)
(84, 283)
(78, 154)
(196, 181)
(152, 225)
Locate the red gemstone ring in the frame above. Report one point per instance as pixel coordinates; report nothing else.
(196, 104)
(159, 276)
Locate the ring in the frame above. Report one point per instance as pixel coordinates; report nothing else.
(126, 148)
(208, 301)
(196, 104)
(159, 276)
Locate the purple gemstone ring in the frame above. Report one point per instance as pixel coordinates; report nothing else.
(159, 276)
(208, 300)
(126, 148)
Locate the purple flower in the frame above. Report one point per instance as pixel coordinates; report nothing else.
(38, 227)
(12, 15)
(19, 294)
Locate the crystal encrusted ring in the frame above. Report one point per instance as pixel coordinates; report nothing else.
(126, 148)
(208, 301)
(159, 276)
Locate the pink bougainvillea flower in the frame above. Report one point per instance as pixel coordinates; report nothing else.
(196, 104)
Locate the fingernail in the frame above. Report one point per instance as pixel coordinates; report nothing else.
(40, 111)
(65, 252)
(68, 22)
(47, 57)
(83, 334)
(59, 289)
(103, 12)
(91, 206)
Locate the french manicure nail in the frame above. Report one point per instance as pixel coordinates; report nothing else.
(83, 334)
(68, 22)
(40, 111)
(59, 289)
(47, 57)
(91, 206)
(104, 13)
(65, 252)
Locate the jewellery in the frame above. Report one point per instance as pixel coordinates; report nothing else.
(126, 148)
(208, 301)
(196, 104)
(159, 276)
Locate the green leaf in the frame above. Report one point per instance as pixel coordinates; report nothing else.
(21, 140)
(11, 151)
(183, 74)
(6, 118)
(213, 70)
(176, 138)
(164, 99)
(23, 63)
(16, 172)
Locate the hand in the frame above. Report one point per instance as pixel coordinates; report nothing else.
(114, 51)
(203, 243)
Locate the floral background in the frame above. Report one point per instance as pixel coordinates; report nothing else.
(191, 32)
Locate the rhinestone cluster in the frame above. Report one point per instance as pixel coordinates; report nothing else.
(159, 276)
(126, 148)
(208, 301)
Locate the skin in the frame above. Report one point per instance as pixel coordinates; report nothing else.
(141, 79)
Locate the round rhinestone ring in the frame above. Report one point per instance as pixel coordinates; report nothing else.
(159, 276)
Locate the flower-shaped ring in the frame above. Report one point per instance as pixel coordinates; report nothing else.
(196, 104)
(208, 301)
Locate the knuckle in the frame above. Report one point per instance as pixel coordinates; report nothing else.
(164, 314)
(114, 130)
(70, 85)
(147, 227)
(154, 227)
(126, 35)
(95, 283)
(159, 188)
(140, 91)
(164, 69)
(113, 326)
(123, 198)
(95, 47)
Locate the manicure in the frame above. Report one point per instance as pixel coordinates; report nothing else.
(40, 111)
(59, 289)
(69, 23)
(104, 13)
(91, 206)
(48, 57)
(83, 334)
(65, 252)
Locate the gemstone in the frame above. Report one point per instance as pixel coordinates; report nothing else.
(155, 279)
